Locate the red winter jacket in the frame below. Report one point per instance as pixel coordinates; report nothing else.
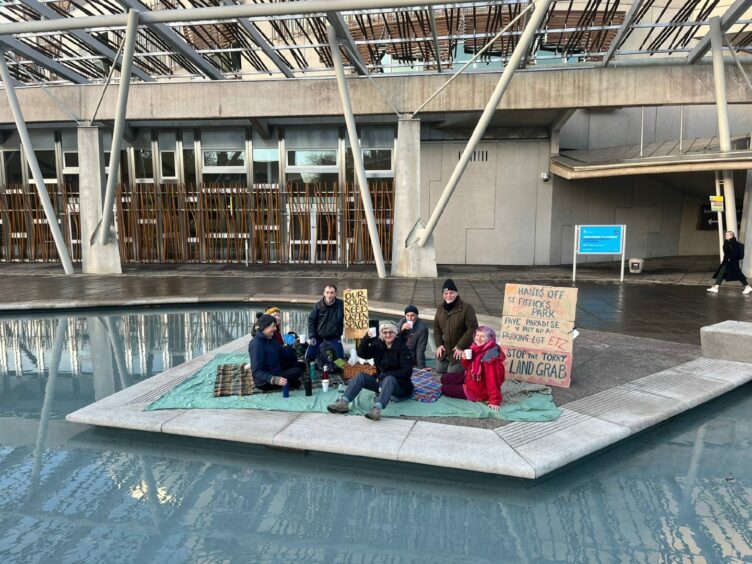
(484, 374)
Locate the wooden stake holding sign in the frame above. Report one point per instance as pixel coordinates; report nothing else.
(356, 313)
(536, 333)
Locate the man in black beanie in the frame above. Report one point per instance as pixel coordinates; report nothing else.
(266, 359)
(453, 329)
(414, 332)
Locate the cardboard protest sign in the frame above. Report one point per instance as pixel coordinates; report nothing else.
(536, 333)
(356, 313)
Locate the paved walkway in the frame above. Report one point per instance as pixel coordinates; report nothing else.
(667, 302)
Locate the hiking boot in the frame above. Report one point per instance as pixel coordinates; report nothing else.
(374, 414)
(339, 406)
(747, 289)
(713, 289)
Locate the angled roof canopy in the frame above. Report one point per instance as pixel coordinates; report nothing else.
(243, 40)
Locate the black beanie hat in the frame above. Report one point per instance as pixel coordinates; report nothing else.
(265, 321)
(449, 285)
(411, 309)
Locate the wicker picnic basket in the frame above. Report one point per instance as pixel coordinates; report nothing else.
(350, 371)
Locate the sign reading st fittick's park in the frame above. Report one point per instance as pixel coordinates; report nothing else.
(536, 333)
(356, 313)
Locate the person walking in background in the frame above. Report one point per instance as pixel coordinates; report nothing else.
(453, 329)
(414, 333)
(484, 372)
(729, 269)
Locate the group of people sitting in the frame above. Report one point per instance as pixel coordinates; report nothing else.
(469, 362)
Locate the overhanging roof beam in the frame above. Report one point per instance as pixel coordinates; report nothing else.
(83, 37)
(174, 39)
(434, 37)
(42, 60)
(250, 28)
(728, 19)
(339, 26)
(628, 19)
(214, 12)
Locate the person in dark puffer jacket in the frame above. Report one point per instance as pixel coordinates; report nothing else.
(326, 322)
(394, 368)
(266, 359)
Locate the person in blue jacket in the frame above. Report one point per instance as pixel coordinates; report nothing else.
(266, 359)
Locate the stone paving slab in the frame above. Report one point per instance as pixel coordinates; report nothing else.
(525, 450)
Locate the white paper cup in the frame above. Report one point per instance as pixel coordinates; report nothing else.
(324, 386)
(409, 324)
(302, 339)
(372, 331)
(468, 354)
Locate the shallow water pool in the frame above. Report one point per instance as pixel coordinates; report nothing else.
(72, 493)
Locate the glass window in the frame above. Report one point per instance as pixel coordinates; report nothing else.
(311, 158)
(377, 159)
(225, 179)
(189, 166)
(13, 172)
(265, 166)
(144, 163)
(321, 184)
(224, 158)
(46, 160)
(70, 159)
(167, 160)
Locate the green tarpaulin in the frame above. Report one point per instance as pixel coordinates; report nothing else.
(197, 392)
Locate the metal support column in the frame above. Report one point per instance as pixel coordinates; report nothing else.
(117, 132)
(520, 50)
(724, 135)
(36, 172)
(360, 170)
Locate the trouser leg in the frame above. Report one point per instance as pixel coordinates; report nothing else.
(391, 386)
(721, 274)
(358, 383)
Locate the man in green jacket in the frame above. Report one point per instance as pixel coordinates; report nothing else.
(453, 329)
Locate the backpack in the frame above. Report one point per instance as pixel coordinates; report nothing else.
(326, 356)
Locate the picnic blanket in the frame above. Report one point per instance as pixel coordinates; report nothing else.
(197, 392)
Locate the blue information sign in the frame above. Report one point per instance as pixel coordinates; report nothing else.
(600, 239)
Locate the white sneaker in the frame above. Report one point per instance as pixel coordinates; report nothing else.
(747, 289)
(713, 289)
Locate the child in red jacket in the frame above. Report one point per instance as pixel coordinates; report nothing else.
(484, 372)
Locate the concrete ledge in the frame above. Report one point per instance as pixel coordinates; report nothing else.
(523, 450)
(728, 340)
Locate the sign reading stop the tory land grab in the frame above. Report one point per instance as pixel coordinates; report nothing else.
(536, 333)
(356, 313)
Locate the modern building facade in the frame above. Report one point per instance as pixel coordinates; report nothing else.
(236, 146)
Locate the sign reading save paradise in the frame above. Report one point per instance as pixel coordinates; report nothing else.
(536, 333)
(356, 313)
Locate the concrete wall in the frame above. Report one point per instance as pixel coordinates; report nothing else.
(501, 210)
(653, 211)
(551, 89)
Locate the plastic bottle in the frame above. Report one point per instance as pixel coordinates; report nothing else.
(353, 360)
(325, 373)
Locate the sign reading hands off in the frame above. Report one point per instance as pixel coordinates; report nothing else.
(536, 333)
(356, 313)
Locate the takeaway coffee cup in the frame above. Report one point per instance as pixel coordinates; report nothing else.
(372, 331)
(324, 386)
(302, 339)
(409, 324)
(468, 354)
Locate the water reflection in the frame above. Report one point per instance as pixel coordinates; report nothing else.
(70, 493)
(105, 353)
